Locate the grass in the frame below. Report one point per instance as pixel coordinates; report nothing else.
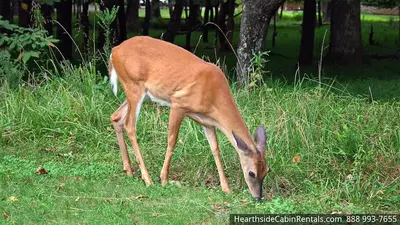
(332, 146)
(329, 153)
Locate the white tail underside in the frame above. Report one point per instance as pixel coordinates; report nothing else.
(113, 78)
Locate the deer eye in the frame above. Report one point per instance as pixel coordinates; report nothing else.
(251, 174)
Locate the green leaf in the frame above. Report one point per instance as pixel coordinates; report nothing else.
(26, 56)
(12, 45)
(35, 54)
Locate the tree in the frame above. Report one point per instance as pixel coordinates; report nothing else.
(64, 29)
(146, 24)
(170, 8)
(5, 9)
(307, 33)
(345, 36)
(132, 15)
(226, 22)
(121, 21)
(206, 20)
(193, 15)
(326, 10)
(24, 13)
(256, 17)
(319, 14)
(175, 22)
(84, 21)
(47, 11)
(155, 9)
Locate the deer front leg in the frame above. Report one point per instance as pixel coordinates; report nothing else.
(134, 105)
(212, 140)
(175, 118)
(118, 119)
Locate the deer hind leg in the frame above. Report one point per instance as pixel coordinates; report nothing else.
(175, 118)
(212, 140)
(118, 119)
(135, 100)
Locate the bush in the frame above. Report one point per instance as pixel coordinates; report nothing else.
(10, 70)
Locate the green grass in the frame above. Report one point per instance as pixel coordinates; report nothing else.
(63, 126)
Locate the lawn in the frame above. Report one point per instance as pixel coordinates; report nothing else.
(333, 146)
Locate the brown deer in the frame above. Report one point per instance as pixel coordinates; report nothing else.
(152, 69)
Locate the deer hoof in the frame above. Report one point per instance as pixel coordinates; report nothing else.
(226, 189)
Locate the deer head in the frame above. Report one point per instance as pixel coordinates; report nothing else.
(253, 161)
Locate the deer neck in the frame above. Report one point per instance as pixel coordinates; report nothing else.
(229, 120)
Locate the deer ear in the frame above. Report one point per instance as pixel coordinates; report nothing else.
(240, 143)
(260, 137)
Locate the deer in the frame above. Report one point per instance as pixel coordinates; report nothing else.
(152, 69)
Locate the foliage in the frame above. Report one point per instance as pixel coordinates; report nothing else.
(10, 72)
(256, 71)
(106, 18)
(24, 43)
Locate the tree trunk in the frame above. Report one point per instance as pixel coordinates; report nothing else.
(155, 9)
(5, 9)
(47, 11)
(227, 9)
(121, 21)
(326, 11)
(146, 23)
(345, 38)
(211, 14)
(319, 14)
(307, 33)
(175, 22)
(84, 21)
(398, 42)
(221, 23)
(132, 15)
(206, 20)
(5, 12)
(24, 13)
(371, 36)
(77, 4)
(170, 8)
(282, 7)
(194, 9)
(14, 10)
(64, 17)
(255, 19)
(230, 23)
(215, 20)
(275, 32)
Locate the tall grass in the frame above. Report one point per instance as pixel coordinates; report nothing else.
(328, 152)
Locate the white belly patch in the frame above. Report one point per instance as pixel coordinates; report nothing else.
(157, 100)
(146, 96)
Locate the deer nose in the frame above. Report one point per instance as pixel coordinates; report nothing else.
(258, 199)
